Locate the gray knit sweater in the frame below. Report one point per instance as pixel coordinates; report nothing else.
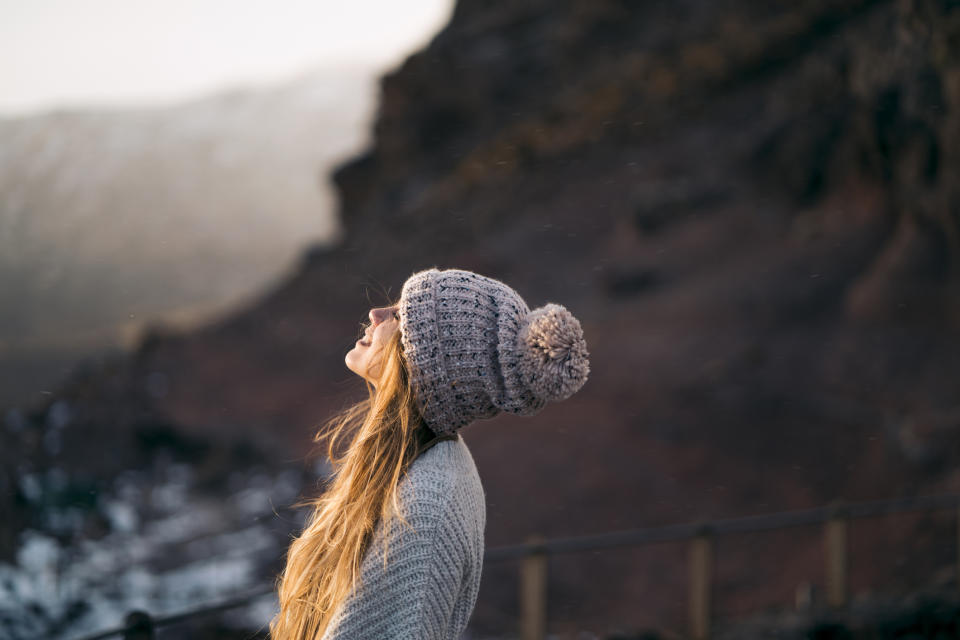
(430, 584)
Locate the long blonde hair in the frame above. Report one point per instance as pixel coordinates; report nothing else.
(323, 562)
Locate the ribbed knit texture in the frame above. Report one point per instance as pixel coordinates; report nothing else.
(475, 349)
(432, 578)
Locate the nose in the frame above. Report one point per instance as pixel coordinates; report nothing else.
(380, 314)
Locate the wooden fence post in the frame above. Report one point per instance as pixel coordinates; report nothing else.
(533, 593)
(701, 569)
(138, 625)
(835, 539)
(803, 597)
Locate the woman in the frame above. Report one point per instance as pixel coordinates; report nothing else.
(394, 545)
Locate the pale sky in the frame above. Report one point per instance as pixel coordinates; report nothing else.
(66, 53)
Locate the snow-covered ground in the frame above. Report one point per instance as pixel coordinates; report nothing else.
(169, 548)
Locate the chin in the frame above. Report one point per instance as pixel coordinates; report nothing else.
(355, 362)
(348, 360)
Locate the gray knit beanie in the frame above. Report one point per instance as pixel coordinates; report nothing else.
(475, 349)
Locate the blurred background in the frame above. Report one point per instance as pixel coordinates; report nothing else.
(752, 208)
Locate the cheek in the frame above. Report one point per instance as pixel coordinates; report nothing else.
(386, 332)
(372, 359)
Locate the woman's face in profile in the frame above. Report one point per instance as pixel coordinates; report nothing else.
(363, 358)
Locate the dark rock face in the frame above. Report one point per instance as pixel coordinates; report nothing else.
(753, 208)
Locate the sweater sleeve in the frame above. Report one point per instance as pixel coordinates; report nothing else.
(442, 578)
(416, 594)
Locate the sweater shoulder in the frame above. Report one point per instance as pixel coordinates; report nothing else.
(447, 465)
(444, 476)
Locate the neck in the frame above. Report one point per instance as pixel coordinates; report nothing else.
(424, 434)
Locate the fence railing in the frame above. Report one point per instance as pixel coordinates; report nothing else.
(533, 555)
(140, 625)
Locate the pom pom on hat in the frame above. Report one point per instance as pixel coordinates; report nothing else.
(554, 362)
